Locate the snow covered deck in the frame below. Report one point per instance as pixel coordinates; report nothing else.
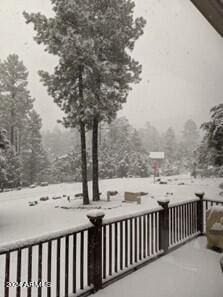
(190, 271)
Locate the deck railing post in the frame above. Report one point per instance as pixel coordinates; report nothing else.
(200, 213)
(95, 250)
(164, 225)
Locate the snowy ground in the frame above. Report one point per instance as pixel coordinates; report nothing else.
(18, 220)
(190, 271)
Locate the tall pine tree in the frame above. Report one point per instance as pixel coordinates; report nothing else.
(114, 33)
(33, 156)
(15, 99)
(91, 81)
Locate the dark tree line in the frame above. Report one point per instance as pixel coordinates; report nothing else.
(25, 157)
(124, 151)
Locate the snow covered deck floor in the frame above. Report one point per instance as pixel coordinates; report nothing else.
(190, 271)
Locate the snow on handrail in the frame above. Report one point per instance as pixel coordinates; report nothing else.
(213, 200)
(111, 220)
(179, 203)
(25, 243)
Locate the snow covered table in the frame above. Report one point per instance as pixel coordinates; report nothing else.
(215, 227)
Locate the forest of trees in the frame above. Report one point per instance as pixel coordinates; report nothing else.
(90, 84)
(123, 150)
(31, 156)
(25, 157)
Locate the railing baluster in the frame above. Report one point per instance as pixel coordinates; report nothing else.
(66, 266)
(194, 218)
(189, 205)
(110, 249)
(121, 245)
(116, 247)
(148, 235)
(206, 205)
(126, 243)
(19, 262)
(144, 236)
(175, 225)
(191, 217)
(29, 289)
(152, 234)
(156, 234)
(180, 222)
(177, 214)
(186, 221)
(74, 263)
(58, 268)
(82, 261)
(7, 273)
(140, 238)
(40, 261)
(49, 268)
(131, 242)
(184, 229)
(136, 240)
(104, 252)
(172, 225)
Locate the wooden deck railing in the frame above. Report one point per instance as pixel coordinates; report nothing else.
(32, 266)
(129, 242)
(183, 222)
(87, 258)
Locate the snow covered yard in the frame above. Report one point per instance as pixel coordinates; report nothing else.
(18, 220)
(190, 271)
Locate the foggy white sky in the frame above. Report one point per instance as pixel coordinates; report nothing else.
(182, 57)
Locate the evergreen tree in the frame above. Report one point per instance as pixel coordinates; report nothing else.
(33, 155)
(59, 142)
(150, 138)
(170, 145)
(67, 35)
(4, 144)
(212, 144)
(121, 152)
(15, 100)
(115, 32)
(10, 167)
(13, 168)
(17, 117)
(91, 80)
(188, 145)
(190, 137)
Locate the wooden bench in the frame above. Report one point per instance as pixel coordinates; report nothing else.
(132, 197)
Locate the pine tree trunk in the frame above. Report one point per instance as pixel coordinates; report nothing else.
(84, 164)
(83, 144)
(95, 178)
